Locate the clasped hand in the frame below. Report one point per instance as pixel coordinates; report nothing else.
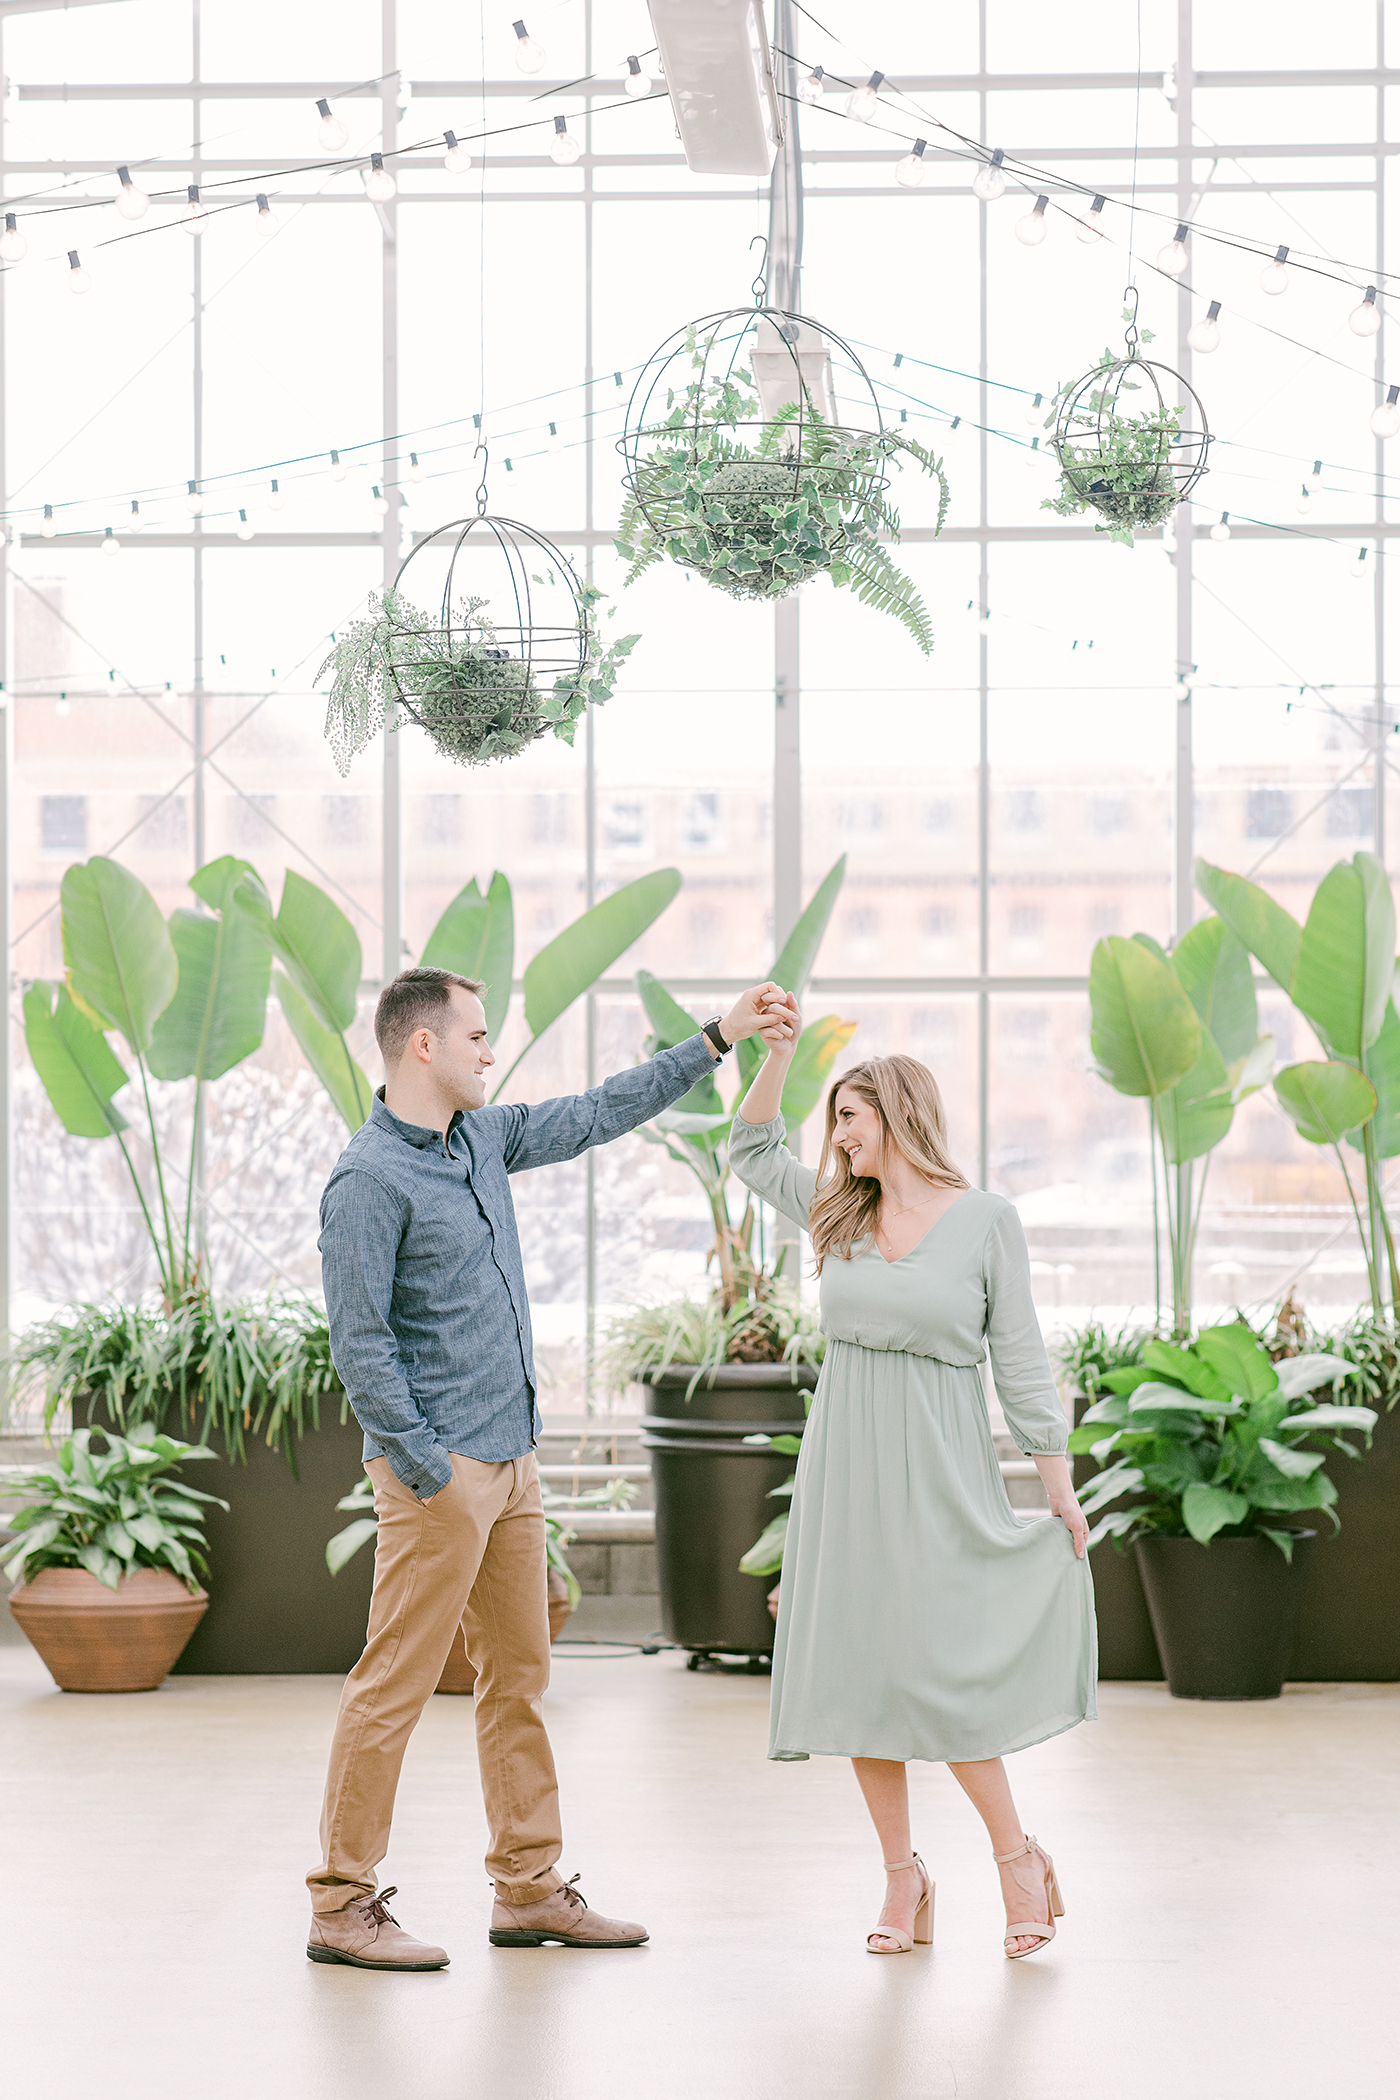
(765, 1010)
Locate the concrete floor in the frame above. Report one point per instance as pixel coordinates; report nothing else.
(1228, 1931)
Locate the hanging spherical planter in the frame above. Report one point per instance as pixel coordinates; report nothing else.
(1132, 461)
(512, 652)
(756, 455)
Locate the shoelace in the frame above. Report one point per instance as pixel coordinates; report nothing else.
(375, 1910)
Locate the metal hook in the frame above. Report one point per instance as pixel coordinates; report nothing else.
(759, 287)
(1131, 333)
(481, 485)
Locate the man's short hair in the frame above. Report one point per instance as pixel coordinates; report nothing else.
(417, 998)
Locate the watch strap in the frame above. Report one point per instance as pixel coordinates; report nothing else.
(711, 1029)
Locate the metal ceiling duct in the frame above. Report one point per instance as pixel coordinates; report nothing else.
(719, 74)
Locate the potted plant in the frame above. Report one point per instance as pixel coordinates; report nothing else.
(107, 1561)
(458, 1673)
(1133, 469)
(1213, 1443)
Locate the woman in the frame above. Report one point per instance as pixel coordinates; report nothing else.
(919, 1616)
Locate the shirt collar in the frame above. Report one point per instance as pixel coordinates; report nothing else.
(383, 1117)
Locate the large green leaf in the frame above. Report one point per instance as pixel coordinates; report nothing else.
(75, 1062)
(1324, 1102)
(794, 965)
(312, 939)
(476, 937)
(1346, 962)
(1206, 1510)
(219, 1011)
(1214, 968)
(1269, 932)
(671, 1024)
(1145, 1033)
(818, 1047)
(578, 957)
(120, 962)
(1382, 1062)
(326, 1052)
(1238, 1360)
(1196, 1113)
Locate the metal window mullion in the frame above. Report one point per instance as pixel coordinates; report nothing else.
(391, 826)
(1183, 883)
(7, 768)
(984, 777)
(198, 725)
(1378, 580)
(590, 757)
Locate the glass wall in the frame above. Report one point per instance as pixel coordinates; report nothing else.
(1090, 718)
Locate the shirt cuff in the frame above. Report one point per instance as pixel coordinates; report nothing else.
(698, 1054)
(420, 1480)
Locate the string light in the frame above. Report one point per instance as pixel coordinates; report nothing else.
(457, 155)
(194, 211)
(381, 501)
(1033, 413)
(1273, 278)
(379, 183)
(266, 220)
(1173, 258)
(1205, 336)
(46, 523)
(553, 442)
(13, 246)
(415, 467)
(136, 520)
(1303, 502)
(1221, 531)
(1090, 227)
(862, 102)
(529, 55)
(634, 81)
(78, 279)
(276, 500)
(110, 543)
(1031, 228)
(131, 201)
(1358, 567)
(330, 132)
(243, 530)
(989, 183)
(564, 148)
(813, 87)
(194, 502)
(338, 467)
(1366, 318)
(912, 169)
(1314, 480)
(1385, 420)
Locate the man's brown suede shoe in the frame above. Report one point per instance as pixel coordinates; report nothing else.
(563, 1917)
(364, 1936)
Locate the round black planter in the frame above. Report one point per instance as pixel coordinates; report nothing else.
(711, 1492)
(1226, 1614)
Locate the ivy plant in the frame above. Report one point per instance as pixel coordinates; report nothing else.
(1122, 467)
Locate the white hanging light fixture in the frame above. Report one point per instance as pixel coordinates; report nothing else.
(111, 545)
(131, 200)
(813, 87)
(862, 102)
(989, 183)
(1090, 227)
(243, 529)
(265, 219)
(912, 169)
(78, 279)
(194, 218)
(1366, 318)
(1030, 230)
(330, 132)
(564, 148)
(13, 246)
(457, 156)
(529, 55)
(1221, 530)
(1385, 420)
(719, 75)
(634, 81)
(379, 183)
(1173, 258)
(1273, 278)
(1205, 335)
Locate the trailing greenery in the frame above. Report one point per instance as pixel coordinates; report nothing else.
(1216, 1440)
(1368, 1346)
(759, 520)
(765, 1555)
(111, 1512)
(260, 1368)
(1085, 1355)
(477, 700)
(1124, 470)
(767, 1325)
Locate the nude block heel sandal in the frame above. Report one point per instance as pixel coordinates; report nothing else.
(923, 1916)
(1042, 1934)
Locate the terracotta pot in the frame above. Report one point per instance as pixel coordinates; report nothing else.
(458, 1676)
(98, 1640)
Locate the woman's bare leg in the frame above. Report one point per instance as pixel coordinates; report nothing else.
(886, 1790)
(988, 1789)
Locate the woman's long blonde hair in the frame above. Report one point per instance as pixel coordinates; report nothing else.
(904, 1095)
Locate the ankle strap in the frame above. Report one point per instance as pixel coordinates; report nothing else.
(893, 1865)
(1003, 1858)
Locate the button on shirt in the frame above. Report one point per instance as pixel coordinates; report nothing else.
(424, 1282)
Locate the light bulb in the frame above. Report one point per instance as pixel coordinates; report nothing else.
(1303, 503)
(1031, 228)
(911, 170)
(110, 543)
(1205, 336)
(379, 183)
(1366, 318)
(1314, 480)
(1273, 278)
(194, 211)
(564, 148)
(1090, 227)
(330, 132)
(989, 183)
(813, 87)
(46, 524)
(862, 102)
(381, 501)
(194, 502)
(1221, 531)
(415, 467)
(1173, 258)
(1359, 566)
(529, 55)
(1034, 413)
(136, 521)
(338, 467)
(1385, 420)
(63, 707)
(634, 81)
(78, 279)
(13, 246)
(132, 201)
(456, 155)
(243, 530)
(276, 500)
(266, 220)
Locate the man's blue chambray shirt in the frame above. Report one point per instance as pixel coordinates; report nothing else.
(420, 1255)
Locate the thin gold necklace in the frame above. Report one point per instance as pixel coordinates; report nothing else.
(906, 1207)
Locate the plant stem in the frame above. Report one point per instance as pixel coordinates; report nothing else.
(165, 1277)
(1375, 1204)
(1156, 1221)
(1195, 1229)
(1367, 1253)
(160, 1172)
(194, 1155)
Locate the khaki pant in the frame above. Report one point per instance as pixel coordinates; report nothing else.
(472, 1556)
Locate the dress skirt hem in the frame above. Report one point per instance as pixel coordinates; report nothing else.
(936, 1757)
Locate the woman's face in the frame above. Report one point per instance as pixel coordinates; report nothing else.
(858, 1132)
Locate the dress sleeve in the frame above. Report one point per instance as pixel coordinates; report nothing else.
(763, 1163)
(1024, 1382)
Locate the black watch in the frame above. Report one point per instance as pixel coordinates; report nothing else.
(711, 1029)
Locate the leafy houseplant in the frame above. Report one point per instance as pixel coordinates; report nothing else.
(477, 700)
(759, 520)
(1118, 465)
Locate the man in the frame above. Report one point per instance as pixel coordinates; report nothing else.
(430, 1333)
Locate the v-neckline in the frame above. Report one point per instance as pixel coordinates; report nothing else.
(922, 1236)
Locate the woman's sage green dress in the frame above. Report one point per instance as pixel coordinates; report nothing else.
(920, 1616)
